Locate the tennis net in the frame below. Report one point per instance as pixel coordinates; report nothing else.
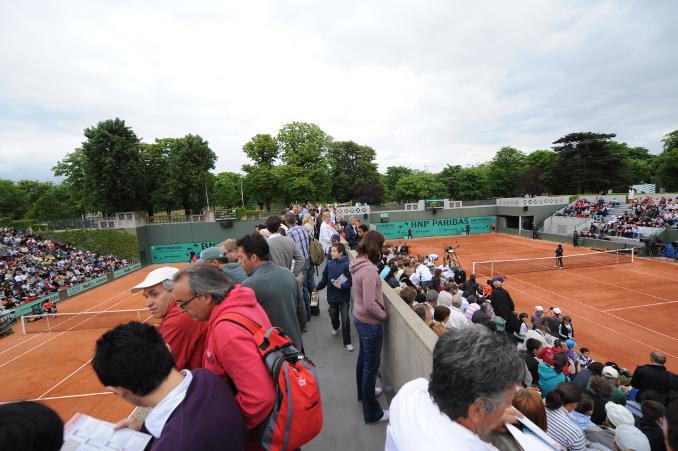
(63, 322)
(493, 268)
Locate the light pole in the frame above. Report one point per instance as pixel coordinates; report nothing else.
(242, 195)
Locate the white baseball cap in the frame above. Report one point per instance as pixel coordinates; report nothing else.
(556, 311)
(539, 308)
(610, 372)
(155, 277)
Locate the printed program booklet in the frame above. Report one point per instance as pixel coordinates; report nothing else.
(85, 433)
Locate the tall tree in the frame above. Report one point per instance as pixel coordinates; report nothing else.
(670, 141)
(474, 183)
(667, 163)
(538, 178)
(34, 190)
(190, 160)
(13, 201)
(505, 170)
(391, 178)
(370, 193)
(587, 163)
(159, 193)
(108, 168)
(420, 185)
(305, 146)
(225, 190)
(58, 202)
(260, 180)
(450, 178)
(351, 166)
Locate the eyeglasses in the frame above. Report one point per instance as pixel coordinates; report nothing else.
(182, 304)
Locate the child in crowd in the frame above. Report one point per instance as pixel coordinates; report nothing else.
(337, 279)
(584, 358)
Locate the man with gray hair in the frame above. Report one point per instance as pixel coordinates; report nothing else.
(232, 268)
(352, 232)
(474, 378)
(185, 337)
(654, 376)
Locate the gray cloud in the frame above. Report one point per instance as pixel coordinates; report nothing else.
(424, 83)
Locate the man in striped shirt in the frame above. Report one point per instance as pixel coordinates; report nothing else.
(302, 240)
(560, 427)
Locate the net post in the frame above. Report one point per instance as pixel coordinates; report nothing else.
(492, 269)
(473, 268)
(633, 252)
(49, 328)
(23, 325)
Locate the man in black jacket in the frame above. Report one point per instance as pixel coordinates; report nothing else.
(654, 376)
(650, 424)
(502, 303)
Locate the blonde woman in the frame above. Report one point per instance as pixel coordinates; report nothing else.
(307, 223)
(326, 232)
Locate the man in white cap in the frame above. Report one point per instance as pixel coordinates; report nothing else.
(612, 375)
(185, 337)
(537, 316)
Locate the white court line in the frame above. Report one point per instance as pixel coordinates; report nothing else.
(39, 334)
(56, 336)
(599, 325)
(73, 373)
(61, 397)
(638, 306)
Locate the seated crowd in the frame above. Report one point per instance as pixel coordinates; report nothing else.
(32, 267)
(493, 368)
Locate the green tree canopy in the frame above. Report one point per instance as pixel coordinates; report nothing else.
(262, 149)
(667, 168)
(505, 170)
(58, 202)
(420, 185)
(226, 190)
(538, 177)
(449, 176)
(159, 192)
(352, 166)
(474, 183)
(392, 176)
(13, 201)
(190, 160)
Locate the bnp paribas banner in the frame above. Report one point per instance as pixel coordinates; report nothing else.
(436, 227)
(179, 252)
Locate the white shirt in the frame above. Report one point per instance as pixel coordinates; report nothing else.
(156, 419)
(424, 273)
(416, 423)
(325, 237)
(457, 320)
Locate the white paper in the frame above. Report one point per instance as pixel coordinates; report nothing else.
(84, 433)
(341, 279)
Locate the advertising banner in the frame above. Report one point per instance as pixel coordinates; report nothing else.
(27, 309)
(86, 285)
(180, 252)
(7, 318)
(436, 227)
(122, 271)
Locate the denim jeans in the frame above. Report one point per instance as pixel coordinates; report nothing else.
(366, 370)
(335, 310)
(308, 287)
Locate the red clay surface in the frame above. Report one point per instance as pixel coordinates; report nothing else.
(55, 367)
(620, 312)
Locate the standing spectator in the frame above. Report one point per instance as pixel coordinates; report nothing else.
(206, 293)
(502, 303)
(651, 424)
(468, 229)
(654, 376)
(472, 384)
(352, 232)
(409, 233)
(537, 316)
(185, 337)
(326, 232)
(337, 279)
(575, 239)
(232, 268)
(369, 313)
(133, 362)
(560, 427)
(553, 321)
(284, 252)
(275, 287)
(566, 331)
(302, 239)
(307, 224)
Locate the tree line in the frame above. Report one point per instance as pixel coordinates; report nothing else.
(113, 170)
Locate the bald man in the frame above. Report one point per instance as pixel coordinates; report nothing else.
(654, 376)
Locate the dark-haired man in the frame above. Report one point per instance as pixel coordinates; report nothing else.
(275, 287)
(283, 250)
(133, 362)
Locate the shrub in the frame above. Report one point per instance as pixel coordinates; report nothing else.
(116, 242)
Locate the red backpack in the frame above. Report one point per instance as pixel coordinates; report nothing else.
(297, 415)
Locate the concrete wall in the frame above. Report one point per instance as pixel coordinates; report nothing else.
(669, 235)
(408, 343)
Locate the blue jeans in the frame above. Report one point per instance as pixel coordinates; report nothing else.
(308, 287)
(366, 370)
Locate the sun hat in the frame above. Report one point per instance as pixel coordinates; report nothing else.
(155, 277)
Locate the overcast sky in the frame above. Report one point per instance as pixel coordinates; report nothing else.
(424, 83)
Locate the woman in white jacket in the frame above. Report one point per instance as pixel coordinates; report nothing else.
(326, 232)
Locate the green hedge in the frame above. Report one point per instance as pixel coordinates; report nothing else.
(116, 242)
(23, 224)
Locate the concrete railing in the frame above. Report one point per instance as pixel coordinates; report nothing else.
(408, 344)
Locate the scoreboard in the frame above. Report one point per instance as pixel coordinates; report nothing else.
(434, 204)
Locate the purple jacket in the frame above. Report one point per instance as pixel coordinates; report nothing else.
(208, 418)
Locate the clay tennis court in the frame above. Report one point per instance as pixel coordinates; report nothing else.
(54, 367)
(620, 312)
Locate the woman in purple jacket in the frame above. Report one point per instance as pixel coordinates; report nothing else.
(369, 313)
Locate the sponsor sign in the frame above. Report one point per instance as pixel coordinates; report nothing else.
(7, 318)
(436, 227)
(122, 271)
(72, 291)
(353, 211)
(28, 309)
(532, 201)
(180, 252)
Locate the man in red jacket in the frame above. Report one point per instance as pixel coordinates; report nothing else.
(185, 337)
(206, 293)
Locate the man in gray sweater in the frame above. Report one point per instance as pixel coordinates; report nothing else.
(282, 248)
(275, 287)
